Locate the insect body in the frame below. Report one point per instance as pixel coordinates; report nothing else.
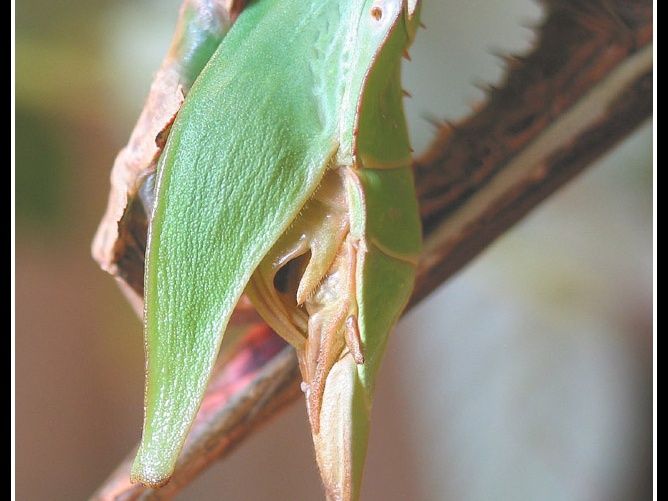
(286, 174)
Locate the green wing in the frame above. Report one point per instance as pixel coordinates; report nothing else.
(249, 146)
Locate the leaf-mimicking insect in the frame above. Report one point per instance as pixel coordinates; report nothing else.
(286, 175)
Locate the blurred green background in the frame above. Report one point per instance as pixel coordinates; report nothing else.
(528, 376)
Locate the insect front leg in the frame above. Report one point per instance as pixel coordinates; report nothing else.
(333, 286)
(305, 288)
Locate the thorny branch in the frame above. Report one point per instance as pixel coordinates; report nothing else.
(583, 88)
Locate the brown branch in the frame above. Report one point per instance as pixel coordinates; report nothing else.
(585, 86)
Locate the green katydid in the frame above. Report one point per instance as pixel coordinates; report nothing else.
(286, 175)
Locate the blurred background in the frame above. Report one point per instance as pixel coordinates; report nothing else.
(526, 377)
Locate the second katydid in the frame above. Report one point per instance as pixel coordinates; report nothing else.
(286, 175)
